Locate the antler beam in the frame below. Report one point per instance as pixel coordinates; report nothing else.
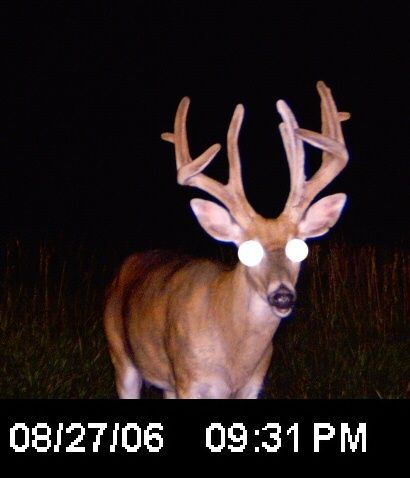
(330, 141)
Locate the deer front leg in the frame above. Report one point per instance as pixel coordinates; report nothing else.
(128, 378)
(170, 395)
(252, 388)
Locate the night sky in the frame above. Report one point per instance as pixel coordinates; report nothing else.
(89, 87)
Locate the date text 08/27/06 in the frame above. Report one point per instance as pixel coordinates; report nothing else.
(217, 438)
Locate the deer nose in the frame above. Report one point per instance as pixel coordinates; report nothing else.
(282, 298)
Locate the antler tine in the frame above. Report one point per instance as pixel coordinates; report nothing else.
(235, 175)
(295, 156)
(235, 171)
(186, 166)
(190, 170)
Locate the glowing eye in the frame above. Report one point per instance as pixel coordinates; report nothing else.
(250, 253)
(296, 250)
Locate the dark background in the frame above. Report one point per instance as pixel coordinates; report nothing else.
(89, 87)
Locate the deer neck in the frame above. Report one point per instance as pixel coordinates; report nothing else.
(246, 306)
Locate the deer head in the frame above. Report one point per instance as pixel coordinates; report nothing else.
(274, 277)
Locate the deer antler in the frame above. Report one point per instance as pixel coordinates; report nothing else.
(331, 141)
(302, 192)
(232, 194)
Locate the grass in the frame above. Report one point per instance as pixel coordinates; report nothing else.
(348, 338)
(51, 339)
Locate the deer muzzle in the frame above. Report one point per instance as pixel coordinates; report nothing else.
(282, 299)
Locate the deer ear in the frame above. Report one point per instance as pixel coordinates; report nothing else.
(216, 221)
(321, 216)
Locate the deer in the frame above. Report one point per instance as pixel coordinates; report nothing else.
(197, 328)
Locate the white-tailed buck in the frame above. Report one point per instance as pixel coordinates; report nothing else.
(194, 327)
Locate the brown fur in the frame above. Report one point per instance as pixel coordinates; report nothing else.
(188, 323)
